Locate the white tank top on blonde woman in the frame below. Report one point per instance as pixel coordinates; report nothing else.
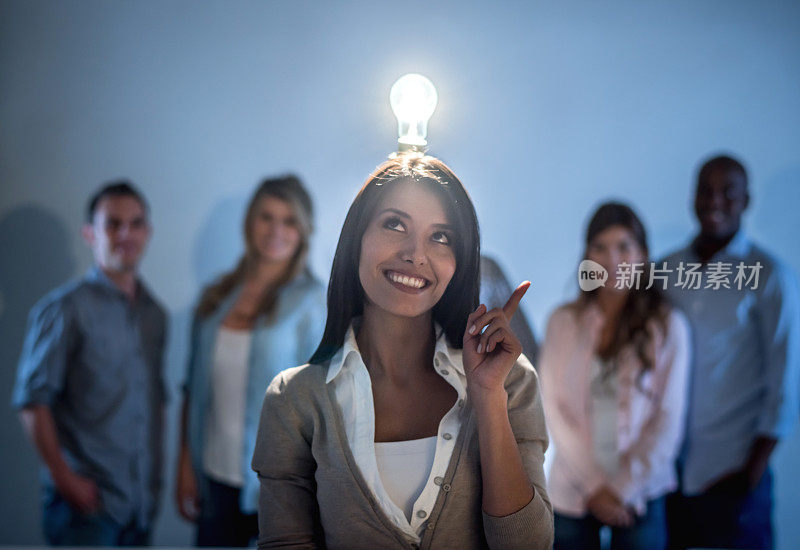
(222, 453)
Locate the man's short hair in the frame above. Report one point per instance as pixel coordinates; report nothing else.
(117, 188)
(721, 162)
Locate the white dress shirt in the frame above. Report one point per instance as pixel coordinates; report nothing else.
(745, 370)
(353, 389)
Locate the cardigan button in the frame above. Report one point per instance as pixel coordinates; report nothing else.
(447, 436)
(438, 480)
(446, 487)
(430, 526)
(422, 514)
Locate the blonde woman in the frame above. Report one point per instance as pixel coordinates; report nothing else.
(265, 315)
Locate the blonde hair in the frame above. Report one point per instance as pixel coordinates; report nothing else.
(290, 190)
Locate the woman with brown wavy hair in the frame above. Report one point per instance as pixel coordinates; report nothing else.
(265, 315)
(614, 366)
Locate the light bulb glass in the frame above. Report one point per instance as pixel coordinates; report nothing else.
(413, 98)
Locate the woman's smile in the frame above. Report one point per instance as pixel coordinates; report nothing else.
(406, 282)
(407, 247)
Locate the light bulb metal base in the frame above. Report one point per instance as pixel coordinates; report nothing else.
(405, 147)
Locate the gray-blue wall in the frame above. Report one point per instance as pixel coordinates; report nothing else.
(544, 110)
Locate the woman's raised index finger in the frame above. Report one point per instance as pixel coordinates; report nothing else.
(513, 302)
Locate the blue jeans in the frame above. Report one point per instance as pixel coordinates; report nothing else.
(648, 533)
(65, 526)
(221, 521)
(721, 520)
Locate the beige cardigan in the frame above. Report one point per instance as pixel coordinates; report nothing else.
(314, 496)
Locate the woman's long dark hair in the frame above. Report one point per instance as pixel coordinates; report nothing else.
(345, 294)
(643, 304)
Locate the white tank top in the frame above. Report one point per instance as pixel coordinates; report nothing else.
(404, 467)
(222, 452)
(604, 390)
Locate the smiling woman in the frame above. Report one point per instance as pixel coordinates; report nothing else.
(263, 316)
(395, 246)
(417, 423)
(614, 367)
(460, 228)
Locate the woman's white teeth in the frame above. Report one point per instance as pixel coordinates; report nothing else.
(406, 280)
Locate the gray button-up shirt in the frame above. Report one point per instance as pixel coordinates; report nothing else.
(95, 358)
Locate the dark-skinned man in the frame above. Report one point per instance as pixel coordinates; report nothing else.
(745, 317)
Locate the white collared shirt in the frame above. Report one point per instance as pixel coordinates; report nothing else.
(353, 389)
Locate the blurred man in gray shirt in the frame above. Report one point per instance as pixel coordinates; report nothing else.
(89, 388)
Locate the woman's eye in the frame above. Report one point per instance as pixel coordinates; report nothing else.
(441, 237)
(394, 224)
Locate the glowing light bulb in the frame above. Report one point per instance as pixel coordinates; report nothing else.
(413, 99)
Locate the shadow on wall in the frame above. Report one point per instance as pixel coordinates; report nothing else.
(778, 193)
(219, 242)
(36, 256)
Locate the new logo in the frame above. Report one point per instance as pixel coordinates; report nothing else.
(591, 275)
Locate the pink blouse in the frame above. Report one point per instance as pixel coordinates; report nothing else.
(651, 413)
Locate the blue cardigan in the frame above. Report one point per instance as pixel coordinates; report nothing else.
(285, 339)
